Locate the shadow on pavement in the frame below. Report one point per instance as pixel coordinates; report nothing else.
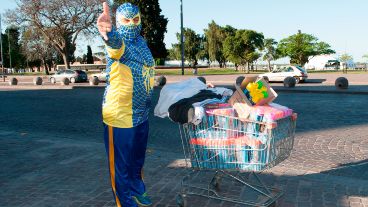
(51, 148)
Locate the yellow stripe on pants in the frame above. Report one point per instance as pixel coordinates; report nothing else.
(112, 164)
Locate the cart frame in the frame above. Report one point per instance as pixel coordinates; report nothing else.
(207, 148)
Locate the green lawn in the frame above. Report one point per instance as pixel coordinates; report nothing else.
(211, 71)
(204, 71)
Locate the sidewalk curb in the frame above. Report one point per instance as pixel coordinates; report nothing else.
(321, 91)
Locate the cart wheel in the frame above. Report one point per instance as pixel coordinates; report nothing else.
(181, 201)
(215, 182)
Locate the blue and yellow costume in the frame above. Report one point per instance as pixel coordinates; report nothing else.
(126, 104)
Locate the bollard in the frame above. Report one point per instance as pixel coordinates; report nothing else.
(266, 79)
(94, 81)
(342, 83)
(160, 81)
(202, 79)
(37, 81)
(13, 81)
(239, 80)
(65, 81)
(289, 82)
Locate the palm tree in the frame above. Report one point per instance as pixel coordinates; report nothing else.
(270, 51)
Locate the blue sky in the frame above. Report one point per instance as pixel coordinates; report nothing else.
(341, 23)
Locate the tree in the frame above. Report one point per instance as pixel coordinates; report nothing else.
(192, 45)
(242, 48)
(89, 55)
(37, 51)
(153, 25)
(203, 49)
(215, 36)
(57, 21)
(271, 52)
(174, 52)
(345, 57)
(300, 47)
(12, 38)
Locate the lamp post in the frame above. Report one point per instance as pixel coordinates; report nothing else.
(1, 45)
(182, 37)
(10, 58)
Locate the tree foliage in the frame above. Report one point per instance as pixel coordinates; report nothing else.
(299, 47)
(192, 45)
(154, 25)
(12, 38)
(57, 21)
(242, 48)
(215, 36)
(271, 53)
(89, 55)
(345, 57)
(36, 50)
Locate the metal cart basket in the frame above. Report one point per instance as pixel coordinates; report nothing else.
(227, 147)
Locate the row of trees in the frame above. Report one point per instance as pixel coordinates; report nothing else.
(28, 49)
(52, 27)
(243, 47)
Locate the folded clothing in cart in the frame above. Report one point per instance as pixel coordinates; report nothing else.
(178, 112)
(183, 102)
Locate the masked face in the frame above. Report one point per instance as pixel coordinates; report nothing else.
(128, 21)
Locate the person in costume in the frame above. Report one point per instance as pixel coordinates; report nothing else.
(126, 102)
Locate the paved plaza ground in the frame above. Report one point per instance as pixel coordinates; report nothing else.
(52, 152)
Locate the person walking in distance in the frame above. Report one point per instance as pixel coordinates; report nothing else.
(126, 102)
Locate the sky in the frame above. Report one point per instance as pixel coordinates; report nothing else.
(341, 23)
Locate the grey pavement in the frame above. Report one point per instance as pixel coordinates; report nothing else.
(52, 152)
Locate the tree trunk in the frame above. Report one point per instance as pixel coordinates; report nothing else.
(269, 65)
(46, 70)
(66, 61)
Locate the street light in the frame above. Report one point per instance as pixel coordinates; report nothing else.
(10, 58)
(182, 37)
(1, 45)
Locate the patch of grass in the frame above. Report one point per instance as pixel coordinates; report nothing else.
(205, 71)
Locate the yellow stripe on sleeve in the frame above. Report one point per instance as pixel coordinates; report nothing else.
(117, 109)
(115, 53)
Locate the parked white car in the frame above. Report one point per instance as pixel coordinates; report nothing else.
(299, 73)
(101, 75)
(74, 76)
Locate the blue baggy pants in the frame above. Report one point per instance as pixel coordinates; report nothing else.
(126, 149)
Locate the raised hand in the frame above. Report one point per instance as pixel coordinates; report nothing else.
(104, 21)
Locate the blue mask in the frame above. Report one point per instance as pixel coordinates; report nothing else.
(128, 21)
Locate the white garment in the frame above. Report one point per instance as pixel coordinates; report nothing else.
(221, 91)
(172, 93)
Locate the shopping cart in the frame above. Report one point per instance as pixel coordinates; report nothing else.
(226, 147)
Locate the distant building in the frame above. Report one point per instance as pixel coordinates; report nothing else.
(323, 62)
(328, 62)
